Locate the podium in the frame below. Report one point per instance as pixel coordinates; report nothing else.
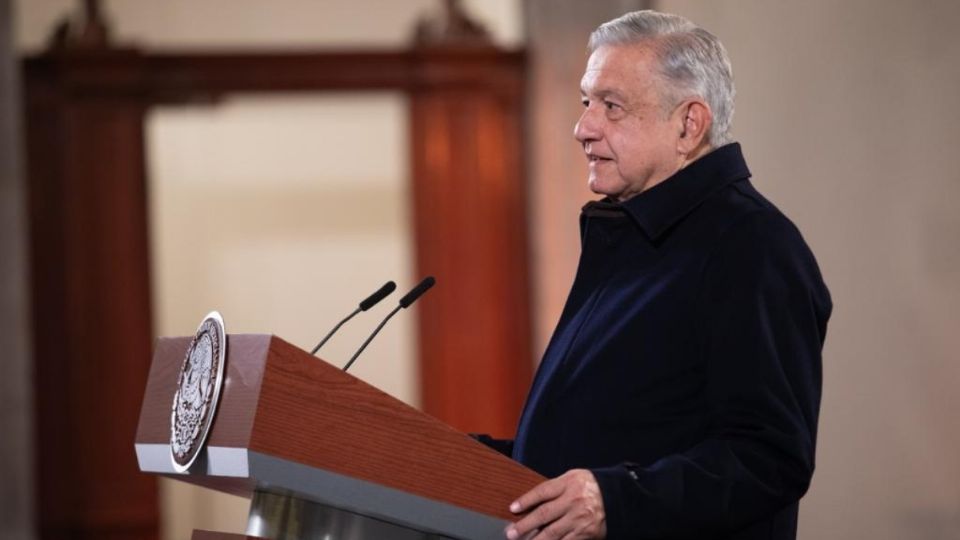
(321, 454)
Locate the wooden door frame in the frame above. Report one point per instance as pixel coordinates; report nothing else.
(90, 259)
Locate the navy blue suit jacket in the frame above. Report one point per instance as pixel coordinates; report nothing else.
(685, 370)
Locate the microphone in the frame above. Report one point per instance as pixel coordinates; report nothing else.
(368, 303)
(417, 292)
(404, 303)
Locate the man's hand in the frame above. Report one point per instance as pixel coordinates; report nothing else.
(568, 507)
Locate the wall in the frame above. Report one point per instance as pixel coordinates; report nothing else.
(282, 213)
(16, 405)
(847, 114)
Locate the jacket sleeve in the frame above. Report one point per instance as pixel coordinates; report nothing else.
(761, 319)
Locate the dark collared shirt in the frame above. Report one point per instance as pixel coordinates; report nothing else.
(685, 369)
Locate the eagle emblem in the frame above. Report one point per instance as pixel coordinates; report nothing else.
(198, 389)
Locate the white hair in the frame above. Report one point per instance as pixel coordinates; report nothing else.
(692, 62)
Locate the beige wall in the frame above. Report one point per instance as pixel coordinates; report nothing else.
(282, 213)
(16, 495)
(847, 113)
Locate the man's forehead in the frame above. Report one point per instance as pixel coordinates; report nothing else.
(602, 86)
(617, 69)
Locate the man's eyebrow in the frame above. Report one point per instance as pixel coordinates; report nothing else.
(603, 93)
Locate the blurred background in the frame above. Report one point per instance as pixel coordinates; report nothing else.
(146, 181)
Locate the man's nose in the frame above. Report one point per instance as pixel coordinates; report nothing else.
(587, 128)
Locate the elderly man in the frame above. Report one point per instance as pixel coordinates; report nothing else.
(678, 397)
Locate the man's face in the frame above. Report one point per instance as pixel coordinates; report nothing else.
(630, 142)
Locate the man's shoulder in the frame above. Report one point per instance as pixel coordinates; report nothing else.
(758, 242)
(740, 213)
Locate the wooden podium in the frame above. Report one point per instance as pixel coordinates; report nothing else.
(321, 454)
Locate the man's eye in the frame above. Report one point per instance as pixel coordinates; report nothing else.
(610, 105)
(585, 102)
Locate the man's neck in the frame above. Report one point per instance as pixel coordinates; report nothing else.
(698, 153)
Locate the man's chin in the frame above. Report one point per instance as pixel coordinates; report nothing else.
(613, 190)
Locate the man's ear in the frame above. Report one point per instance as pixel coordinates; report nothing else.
(696, 120)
